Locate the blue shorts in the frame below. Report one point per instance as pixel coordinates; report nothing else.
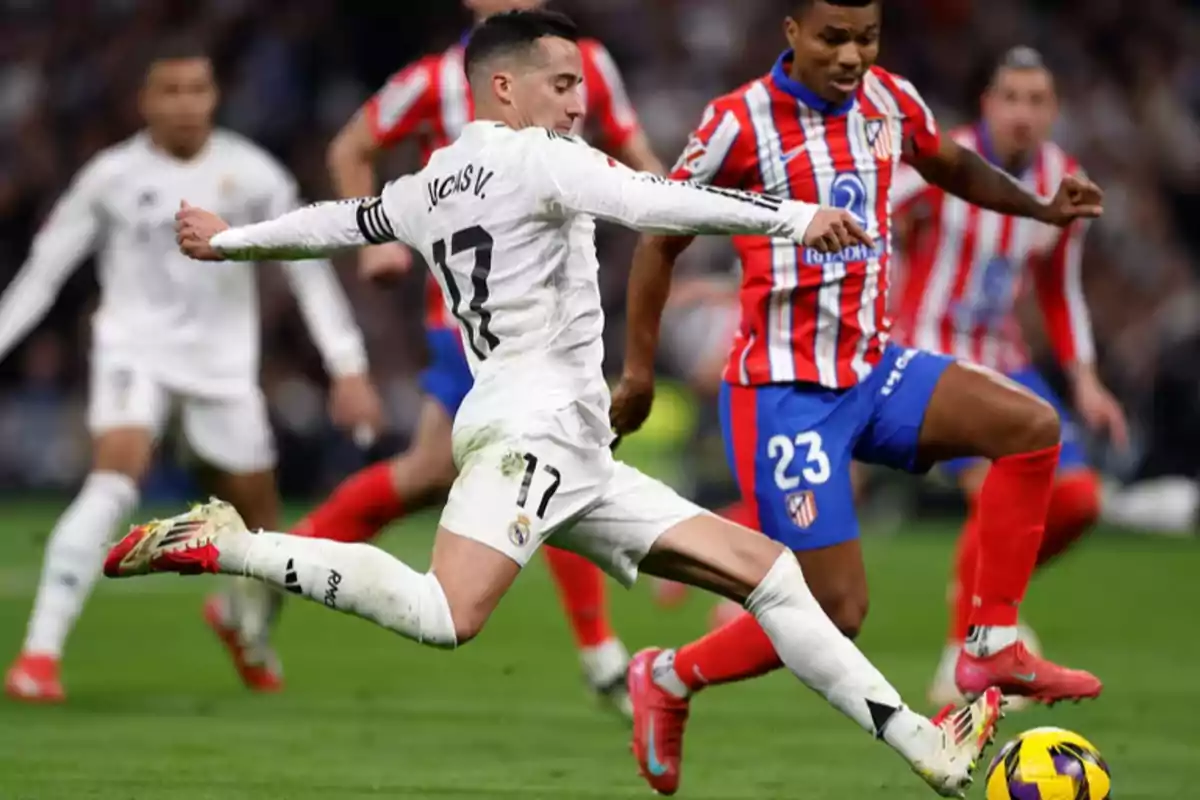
(448, 378)
(790, 445)
(1072, 456)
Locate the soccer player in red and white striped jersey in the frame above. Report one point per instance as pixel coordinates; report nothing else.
(813, 381)
(430, 102)
(964, 267)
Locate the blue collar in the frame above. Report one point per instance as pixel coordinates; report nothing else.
(988, 151)
(805, 95)
(465, 38)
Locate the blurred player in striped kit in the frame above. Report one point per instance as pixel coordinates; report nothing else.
(429, 102)
(963, 269)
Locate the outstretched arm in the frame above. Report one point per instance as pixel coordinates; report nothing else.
(308, 232)
(964, 173)
(582, 180)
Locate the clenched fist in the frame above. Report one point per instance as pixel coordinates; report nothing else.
(833, 230)
(1076, 198)
(194, 228)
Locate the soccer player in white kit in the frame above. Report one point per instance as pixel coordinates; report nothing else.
(166, 333)
(506, 217)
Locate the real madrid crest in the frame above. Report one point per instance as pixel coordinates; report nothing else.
(519, 531)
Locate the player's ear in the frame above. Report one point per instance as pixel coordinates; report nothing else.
(791, 31)
(502, 85)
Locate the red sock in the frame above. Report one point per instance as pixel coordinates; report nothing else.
(1012, 507)
(358, 509)
(1074, 507)
(741, 513)
(966, 567)
(736, 652)
(581, 589)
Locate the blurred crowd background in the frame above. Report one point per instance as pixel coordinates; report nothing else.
(293, 72)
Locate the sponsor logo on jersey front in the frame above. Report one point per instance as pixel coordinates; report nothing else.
(850, 255)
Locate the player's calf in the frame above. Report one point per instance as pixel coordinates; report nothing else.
(1074, 508)
(711, 553)
(838, 579)
(1019, 432)
(442, 609)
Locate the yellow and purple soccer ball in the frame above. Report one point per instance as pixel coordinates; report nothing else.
(1048, 764)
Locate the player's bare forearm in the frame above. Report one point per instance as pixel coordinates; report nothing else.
(1081, 373)
(309, 232)
(649, 286)
(964, 173)
(351, 159)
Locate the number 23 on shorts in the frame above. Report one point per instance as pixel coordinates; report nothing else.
(814, 465)
(803, 494)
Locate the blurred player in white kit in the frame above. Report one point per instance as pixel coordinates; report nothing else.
(506, 216)
(167, 334)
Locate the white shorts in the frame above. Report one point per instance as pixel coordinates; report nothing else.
(232, 433)
(512, 495)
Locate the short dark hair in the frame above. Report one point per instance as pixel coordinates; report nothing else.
(1019, 57)
(986, 70)
(803, 5)
(176, 47)
(513, 31)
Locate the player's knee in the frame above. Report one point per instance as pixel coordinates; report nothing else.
(1045, 426)
(1038, 427)
(467, 626)
(848, 611)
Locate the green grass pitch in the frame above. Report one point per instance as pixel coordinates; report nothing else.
(155, 711)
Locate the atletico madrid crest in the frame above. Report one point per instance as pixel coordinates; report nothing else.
(879, 137)
(802, 508)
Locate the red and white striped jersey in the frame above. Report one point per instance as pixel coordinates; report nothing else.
(809, 316)
(430, 101)
(962, 269)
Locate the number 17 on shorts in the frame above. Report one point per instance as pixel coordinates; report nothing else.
(513, 494)
(793, 469)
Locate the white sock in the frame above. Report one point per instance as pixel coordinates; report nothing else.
(666, 678)
(987, 640)
(604, 664)
(74, 556)
(818, 654)
(255, 607)
(353, 578)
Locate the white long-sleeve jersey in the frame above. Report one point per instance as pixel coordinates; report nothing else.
(195, 327)
(506, 220)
